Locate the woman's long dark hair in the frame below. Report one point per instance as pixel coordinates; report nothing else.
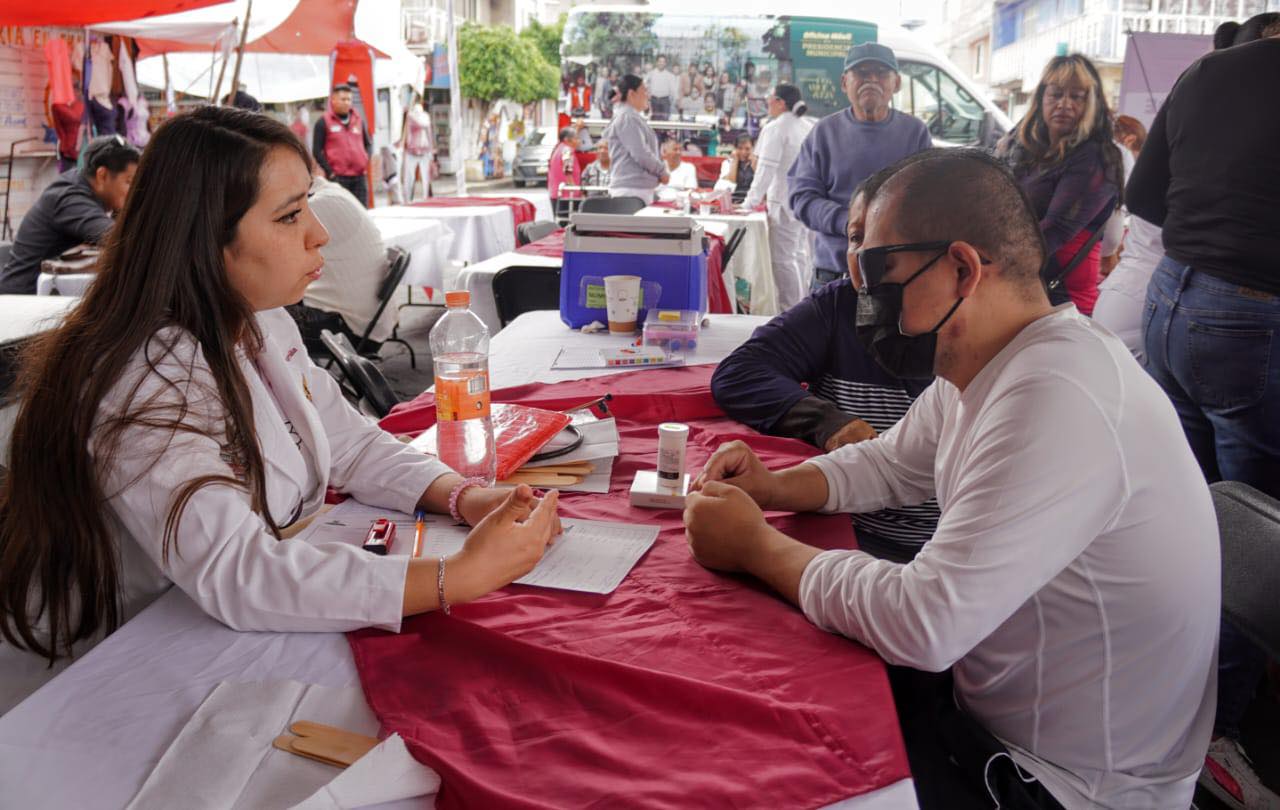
(1029, 145)
(162, 267)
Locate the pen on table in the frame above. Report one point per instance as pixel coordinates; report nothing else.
(599, 402)
(419, 532)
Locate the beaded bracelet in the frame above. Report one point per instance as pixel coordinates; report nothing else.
(457, 493)
(444, 603)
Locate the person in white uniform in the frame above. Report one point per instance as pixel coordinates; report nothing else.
(173, 427)
(776, 150)
(1073, 581)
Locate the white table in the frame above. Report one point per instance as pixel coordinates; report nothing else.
(541, 201)
(479, 231)
(22, 316)
(751, 263)
(427, 241)
(91, 736)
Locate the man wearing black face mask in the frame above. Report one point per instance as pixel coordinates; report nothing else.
(1073, 580)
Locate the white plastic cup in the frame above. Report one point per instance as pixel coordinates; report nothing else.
(705, 209)
(622, 303)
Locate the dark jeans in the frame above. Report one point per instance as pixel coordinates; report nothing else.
(357, 185)
(1213, 348)
(956, 764)
(660, 108)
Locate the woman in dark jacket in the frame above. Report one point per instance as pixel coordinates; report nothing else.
(1064, 156)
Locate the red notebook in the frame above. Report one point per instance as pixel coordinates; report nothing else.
(518, 433)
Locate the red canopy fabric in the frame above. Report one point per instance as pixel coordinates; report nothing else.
(314, 28)
(78, 13)
(682, 688)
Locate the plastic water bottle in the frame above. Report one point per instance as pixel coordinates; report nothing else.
(460, 349)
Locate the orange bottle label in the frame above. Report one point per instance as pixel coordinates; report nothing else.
(462, 398)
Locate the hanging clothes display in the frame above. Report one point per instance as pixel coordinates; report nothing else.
(132, 103)
(60, 83)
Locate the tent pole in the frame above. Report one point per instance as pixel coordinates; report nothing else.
(217, 88)
(244, 34)
(455, 106)
(168, 87)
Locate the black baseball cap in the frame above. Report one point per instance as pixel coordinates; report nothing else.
(870, 52)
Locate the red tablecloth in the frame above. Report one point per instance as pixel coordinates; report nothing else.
(521, 209)
(718, 300)
(683, 688)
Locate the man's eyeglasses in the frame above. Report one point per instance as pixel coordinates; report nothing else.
(872, 261)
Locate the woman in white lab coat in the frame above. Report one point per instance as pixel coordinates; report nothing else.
(174, 425)
(776, 150)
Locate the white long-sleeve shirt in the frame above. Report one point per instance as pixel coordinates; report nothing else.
(1073, 581)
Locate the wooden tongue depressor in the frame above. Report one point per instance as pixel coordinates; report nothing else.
(537, 478)
(327, 744)
(285, 743)
(569, 468)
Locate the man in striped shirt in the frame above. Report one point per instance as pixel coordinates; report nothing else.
(804, 375)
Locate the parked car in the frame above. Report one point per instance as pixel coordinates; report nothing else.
(533, 156)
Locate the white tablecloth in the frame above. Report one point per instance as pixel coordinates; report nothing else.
(479, 231)
(22, 316)
(750, 264)
(427, 241)
(72, 284)
(541, 201)
(91, 736)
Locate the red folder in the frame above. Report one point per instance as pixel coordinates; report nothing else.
(520, 431)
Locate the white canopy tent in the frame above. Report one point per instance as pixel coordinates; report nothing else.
(204, 26)
(270, 77)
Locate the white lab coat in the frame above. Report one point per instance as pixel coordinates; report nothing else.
(777, 148)
(225, 559)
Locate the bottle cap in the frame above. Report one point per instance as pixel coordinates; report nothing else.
(457, 298)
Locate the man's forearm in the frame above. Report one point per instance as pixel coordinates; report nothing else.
(779, 562)
(802, 488)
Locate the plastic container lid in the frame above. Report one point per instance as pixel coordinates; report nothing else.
(457, 298)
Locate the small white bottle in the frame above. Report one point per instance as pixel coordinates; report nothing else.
(673, 438)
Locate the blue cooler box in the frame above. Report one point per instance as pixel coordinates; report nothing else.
(668, 253)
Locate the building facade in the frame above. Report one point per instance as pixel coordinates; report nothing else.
(1025, 34)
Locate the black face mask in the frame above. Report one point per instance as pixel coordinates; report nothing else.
(879, 315)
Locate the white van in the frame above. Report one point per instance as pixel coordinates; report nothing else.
(726, 62)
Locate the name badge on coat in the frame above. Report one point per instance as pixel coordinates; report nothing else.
(335, 128)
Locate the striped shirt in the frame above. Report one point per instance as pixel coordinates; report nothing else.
(881, 407)
(804, 375)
